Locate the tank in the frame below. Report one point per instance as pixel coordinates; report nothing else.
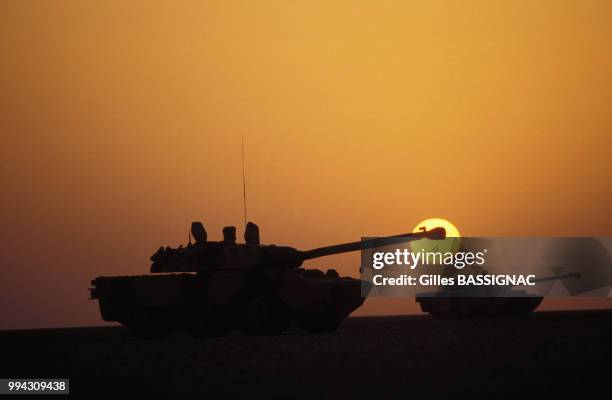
(209, 288)
(470, 302)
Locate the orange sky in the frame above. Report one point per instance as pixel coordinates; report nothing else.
(121, 123)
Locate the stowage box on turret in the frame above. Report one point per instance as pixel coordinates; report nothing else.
(208, 288)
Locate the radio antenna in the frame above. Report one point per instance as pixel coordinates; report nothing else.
(244, 185)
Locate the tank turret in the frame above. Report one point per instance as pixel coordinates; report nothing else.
(204, 256)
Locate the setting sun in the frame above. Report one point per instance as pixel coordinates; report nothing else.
(430, 223)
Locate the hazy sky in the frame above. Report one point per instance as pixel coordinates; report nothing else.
(121, 123)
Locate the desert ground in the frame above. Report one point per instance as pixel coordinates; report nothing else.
(548, 354)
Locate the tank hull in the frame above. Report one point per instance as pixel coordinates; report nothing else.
(260, 302)
(472, 307)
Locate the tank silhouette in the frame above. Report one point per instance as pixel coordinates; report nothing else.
(208, 288)
(483, 301)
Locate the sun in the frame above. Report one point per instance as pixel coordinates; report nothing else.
(430, 223)
(452, 243)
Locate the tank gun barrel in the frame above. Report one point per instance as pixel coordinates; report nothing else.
(434, 234)
(575, 275)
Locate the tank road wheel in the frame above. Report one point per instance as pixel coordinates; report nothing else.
(207, 322)
(149, 323)
(262, 316)
(328, 324)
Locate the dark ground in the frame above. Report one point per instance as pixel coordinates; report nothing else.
(552, 354)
